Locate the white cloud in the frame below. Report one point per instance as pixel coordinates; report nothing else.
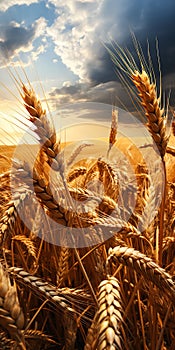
(74, 32)
(8, 3)
(36, 53)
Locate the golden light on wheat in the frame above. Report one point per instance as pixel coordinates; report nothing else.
(116, 289)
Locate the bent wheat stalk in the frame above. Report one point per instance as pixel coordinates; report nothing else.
(144, 266)
(63, 299)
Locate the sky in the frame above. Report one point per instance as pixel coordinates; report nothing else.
(62, 45)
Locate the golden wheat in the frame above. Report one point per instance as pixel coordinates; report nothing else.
(110, 294)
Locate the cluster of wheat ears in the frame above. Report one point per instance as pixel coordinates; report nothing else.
(117, 294)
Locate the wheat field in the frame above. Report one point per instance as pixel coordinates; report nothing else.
(116, 289)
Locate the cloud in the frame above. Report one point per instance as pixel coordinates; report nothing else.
(36, 53)
(9, 3)
(16, 37)
(112, 93)
(81, 26)
(73, 32)
(83, 92)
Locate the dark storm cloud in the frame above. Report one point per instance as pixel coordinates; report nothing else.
(148, 20)
(111, 93)
(15, 37)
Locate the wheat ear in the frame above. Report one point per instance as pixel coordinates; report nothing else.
(76, 152)
(155, 115)
(39, 335)
(63, 299)
(63, 265)
(44, 129)
(144, 266)
(107, 319)
(75, 173)
(11, 315)
(108, 176)
(157, 126)
(91, 339)
(113, 130)
(10, 216)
